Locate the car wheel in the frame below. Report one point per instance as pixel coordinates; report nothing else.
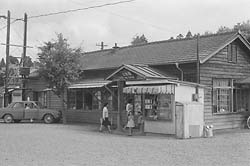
(248, 122)
(8, 118)
(48, 118)
(17, 121)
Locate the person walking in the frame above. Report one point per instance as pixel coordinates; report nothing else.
(105, 118)
(131, 123)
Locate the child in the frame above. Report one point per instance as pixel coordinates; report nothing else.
(131, 122)
(140, 121)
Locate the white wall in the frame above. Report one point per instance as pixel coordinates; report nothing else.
(183, 94)
(17, 95)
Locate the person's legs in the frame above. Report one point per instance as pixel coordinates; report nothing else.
(130, 131)
(101, 127)
(109, 128)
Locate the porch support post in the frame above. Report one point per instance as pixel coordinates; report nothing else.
(120, 85)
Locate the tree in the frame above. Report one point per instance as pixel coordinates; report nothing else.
(137, 40)
(59, 65)
(2, 76)
(180, 36)
(207, 33)
(171, 38)
(223, 29)
(189, 35)
(244, 26)
(13, 60)
(28, 62)
(2, 63)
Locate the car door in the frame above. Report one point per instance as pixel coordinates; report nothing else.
(18, 110)
(30, 111)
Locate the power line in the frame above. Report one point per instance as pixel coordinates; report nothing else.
(163, 29)
(86, 8)
(10, 23)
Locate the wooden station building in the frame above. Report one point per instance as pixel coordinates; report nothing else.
(213, 70)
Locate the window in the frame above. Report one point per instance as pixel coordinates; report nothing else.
(72, 99)
(222, 95)
(241, 98)
(232, 53)
(158, 106)
(88, 101)
(228, 97)
(97, 100)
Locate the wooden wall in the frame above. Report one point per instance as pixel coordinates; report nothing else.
(219, 67)
(39, 85)
(189, 71)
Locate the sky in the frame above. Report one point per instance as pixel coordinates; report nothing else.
(156, 19)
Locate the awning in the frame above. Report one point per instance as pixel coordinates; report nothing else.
(162, 89)
(151, 82)
(89, 84)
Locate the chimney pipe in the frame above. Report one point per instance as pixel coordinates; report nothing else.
(115, 47)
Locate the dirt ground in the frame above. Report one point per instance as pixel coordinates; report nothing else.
(38, 144)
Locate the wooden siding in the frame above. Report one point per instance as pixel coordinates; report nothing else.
(39, 85)
(36, 84)
(219, 67)
(189, 71)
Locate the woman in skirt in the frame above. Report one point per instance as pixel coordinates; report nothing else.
(105, 118)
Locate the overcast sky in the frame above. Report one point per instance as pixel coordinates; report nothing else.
(156, 19)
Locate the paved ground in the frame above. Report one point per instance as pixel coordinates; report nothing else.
(38, 144)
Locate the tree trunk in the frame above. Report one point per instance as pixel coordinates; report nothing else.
(64, 119)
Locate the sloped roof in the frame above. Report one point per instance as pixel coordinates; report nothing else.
(162, 52)
(142, 70)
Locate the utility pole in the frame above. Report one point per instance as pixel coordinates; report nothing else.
(6, 95)
(102, 45)
(24, 40)
(24, 55)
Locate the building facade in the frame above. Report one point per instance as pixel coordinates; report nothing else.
(221, 62)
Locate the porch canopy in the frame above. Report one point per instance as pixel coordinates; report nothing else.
(89, 84)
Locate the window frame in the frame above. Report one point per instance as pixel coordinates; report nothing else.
(218, 95)
(237, 97)
(232, 53)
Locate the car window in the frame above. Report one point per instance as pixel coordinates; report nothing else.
(39, 104)
(29, 105)
(18, 105)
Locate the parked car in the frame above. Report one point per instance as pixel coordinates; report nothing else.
(28, 110)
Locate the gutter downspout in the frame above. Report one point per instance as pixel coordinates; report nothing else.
(177, 66)
(198, 65)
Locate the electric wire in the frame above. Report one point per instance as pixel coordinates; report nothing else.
(75, 10)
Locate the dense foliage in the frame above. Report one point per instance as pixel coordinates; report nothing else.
(59, 64)
(137, 40)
